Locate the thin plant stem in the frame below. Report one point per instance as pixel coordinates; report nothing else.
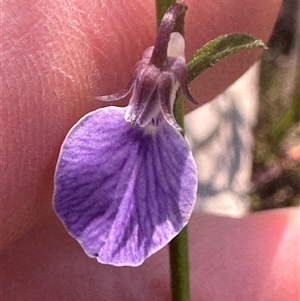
(179, 263)
(178, 247)
(161, 8)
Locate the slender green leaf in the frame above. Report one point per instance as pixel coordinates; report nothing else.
(218, 49)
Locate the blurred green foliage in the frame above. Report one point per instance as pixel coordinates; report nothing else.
(276, 169)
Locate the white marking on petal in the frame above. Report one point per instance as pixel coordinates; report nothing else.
(176, 46)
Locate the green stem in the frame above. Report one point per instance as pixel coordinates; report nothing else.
(287, 120)
(161, 7)
(178, 247)
(179, 110)
(179, 263)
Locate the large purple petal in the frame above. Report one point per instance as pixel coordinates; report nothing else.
(123, 192)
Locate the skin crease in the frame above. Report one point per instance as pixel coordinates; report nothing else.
(56, 57)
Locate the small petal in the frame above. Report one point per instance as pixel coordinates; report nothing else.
(143, 105)
(118, 95)
(138, 69)
(148, 53)
(178, 67)
(167, 94)
(123, 192)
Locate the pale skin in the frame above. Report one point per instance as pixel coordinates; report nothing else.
(56, 58)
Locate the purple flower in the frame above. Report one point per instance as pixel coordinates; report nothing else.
(125, 181)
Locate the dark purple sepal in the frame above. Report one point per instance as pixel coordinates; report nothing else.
(167, 95)
(139, 66)
(159, 56)
(178, 67)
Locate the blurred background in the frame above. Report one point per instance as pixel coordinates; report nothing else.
(247, 145)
